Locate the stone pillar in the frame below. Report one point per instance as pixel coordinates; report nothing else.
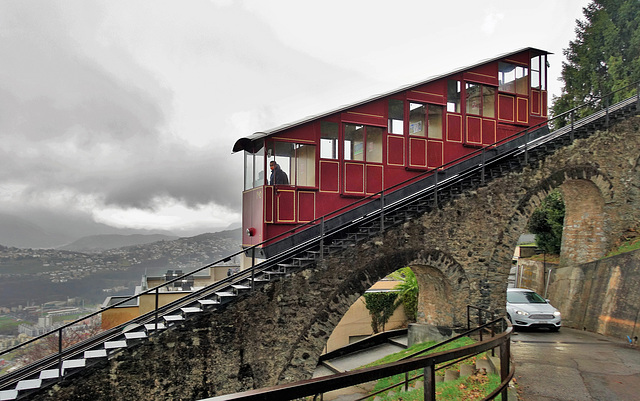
(583, 236)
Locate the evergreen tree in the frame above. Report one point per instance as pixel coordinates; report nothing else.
(604, 57)
(547, 222)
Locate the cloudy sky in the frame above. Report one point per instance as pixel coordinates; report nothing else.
(125, 112)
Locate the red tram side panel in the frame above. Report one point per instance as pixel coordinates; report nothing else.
(335, 158)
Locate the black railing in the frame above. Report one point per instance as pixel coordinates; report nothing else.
(318, 231)
(429, 364)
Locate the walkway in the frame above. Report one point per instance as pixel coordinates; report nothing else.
(574, 365)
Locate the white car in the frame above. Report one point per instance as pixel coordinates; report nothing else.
(525, 308)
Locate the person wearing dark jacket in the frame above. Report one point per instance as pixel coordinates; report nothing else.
(278, 177)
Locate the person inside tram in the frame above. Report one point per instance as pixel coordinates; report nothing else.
(278, 177)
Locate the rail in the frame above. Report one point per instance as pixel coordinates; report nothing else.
(320, 230)
(429, 364)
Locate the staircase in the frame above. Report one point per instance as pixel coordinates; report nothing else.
(327, 236)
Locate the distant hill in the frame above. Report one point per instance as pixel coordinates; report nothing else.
(21, 233)
(100, 243)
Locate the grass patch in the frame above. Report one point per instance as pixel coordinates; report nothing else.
(629, 245)
(474, 387)
(9, 325)
(419, 347)
(466, 388)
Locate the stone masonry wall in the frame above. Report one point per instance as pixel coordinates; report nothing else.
(462, 251)
(602, 296)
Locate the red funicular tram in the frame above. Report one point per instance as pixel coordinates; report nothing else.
(334, 158)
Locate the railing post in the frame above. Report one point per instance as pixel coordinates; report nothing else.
(638, 95)
(505, 355)
(406, 381)
(157, 304)
(435, 190)
(382, 213)
(253, 270)
(429, 383)
(482, 170)
(321, 237)
(526, 147)
(60, 353)
(571, 135)
(606, 111)
(468, 317)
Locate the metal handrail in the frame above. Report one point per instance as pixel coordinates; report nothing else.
(482, 152)
(320, 385)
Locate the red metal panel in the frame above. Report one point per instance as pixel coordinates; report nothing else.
(435, 154)
(268, 204)
(433, 92)
(305, 133)
(488, 131)
(306, 206)
(329, 176)
(454, 127)
(252, 217)
(286, 205)
(536, 100)
(520, 58)
(395, 150)
(506, 108)
(417, 152)
(544, 103)
(373, 113)
(474, 131)
(353, 178)
(374, 178)
(522, 105)
(484, 74)
(505, 131)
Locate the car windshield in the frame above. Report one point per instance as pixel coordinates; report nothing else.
(524, 297)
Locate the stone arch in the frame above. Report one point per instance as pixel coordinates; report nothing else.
(583, 186)
(444, 289)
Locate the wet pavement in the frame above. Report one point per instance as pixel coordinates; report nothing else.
(574, 365)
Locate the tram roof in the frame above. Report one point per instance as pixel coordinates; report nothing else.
(246, 143)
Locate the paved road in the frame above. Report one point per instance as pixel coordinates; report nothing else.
(574, 365)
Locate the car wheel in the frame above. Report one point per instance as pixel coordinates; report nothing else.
(555, 329)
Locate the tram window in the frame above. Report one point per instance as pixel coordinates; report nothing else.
(417, 114)
(284, 154)
(425, 120)
(538, 72)
(354, 142)
(434, 120)
(480, 100)
(488, 101)
(359, 139)
(396, 117)
(254, 167)
(297, 160)
(248, 170)
(543, 72)
(328, 140)
(258, 168)
(473, 99)
(513, 78)
(374, 144)
(304, 173)
(453, 96)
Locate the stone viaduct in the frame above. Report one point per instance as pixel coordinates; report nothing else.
(461, 254)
